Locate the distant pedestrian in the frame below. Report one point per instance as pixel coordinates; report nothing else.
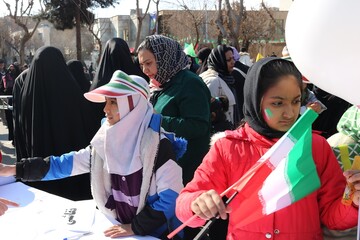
(6, 86)
(245, 57)
(54, 118)
(91, 70)
(219, 80)
(77, 70)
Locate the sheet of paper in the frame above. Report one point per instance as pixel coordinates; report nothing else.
(97, 232)
(41, 216)
(33, 213)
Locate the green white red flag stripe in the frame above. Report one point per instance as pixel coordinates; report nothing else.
(284, 175)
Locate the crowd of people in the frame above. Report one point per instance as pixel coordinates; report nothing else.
(156, 137)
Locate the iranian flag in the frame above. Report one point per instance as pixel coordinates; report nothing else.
(283, 175)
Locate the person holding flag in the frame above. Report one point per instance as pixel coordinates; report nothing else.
(284, 180)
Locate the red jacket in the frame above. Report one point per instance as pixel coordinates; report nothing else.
(233, 155)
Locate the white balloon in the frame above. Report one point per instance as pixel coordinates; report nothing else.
(323, 39)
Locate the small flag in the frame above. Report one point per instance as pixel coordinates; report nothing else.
(284, 175)
(189, 50)
(259, 56)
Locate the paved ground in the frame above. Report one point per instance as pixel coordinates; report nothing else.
(7, 149)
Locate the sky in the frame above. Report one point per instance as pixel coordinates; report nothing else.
(124, 6)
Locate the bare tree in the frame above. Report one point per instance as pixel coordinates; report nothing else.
(157, 2)
(220, 24)
(235, 16)
(272, 17)
(101, 28)
(6, 42)
(256, 27)
(21, 14)
(140, 18)
(190, 23)
(196, 19)
(229, 21)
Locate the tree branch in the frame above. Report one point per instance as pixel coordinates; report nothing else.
(220, 21)
(272, 17)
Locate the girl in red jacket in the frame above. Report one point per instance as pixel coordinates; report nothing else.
(272, 85)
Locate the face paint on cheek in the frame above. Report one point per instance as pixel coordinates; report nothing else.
(268, 114)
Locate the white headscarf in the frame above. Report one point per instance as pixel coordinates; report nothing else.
(119, 145)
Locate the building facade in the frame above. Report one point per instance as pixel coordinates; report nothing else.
(122, 26)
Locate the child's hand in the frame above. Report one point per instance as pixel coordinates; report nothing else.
(314, 106)
(121, 230)
(4, 203)
(7, 170)
(353, 176)
(209, 204)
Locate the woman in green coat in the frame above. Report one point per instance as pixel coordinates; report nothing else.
(179, 95)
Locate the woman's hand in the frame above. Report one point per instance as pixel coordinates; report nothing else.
(209, 204)
(7, 170)
(121, 230)
(353, 176)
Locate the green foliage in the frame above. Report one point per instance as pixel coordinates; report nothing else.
(62, 13)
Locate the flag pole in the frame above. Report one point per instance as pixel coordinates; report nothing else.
(358, 227)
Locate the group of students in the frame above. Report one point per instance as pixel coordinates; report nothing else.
(150, 162)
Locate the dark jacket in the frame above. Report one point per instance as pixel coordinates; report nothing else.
(184, 103)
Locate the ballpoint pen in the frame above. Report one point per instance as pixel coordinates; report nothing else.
(77, 236)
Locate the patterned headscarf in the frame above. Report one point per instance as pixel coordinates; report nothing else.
(170, 57)
(349, 124)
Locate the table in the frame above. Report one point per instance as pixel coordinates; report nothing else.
(41, 216)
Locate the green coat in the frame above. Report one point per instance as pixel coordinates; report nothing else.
(184, 103)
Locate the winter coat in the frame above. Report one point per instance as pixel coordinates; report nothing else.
(184, 103)
(235, 154)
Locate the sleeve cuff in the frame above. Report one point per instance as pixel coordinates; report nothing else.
(19, 170)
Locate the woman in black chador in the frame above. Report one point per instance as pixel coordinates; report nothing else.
(55, 118)
(116, 56)
(77, 70)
